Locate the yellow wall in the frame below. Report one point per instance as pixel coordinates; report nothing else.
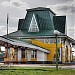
(50, 47)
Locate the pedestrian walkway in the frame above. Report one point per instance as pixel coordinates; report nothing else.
(44, 65)
(40, 65)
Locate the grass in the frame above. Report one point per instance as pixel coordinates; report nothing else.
(35, 71)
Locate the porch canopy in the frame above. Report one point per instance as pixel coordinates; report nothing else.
(12, 42)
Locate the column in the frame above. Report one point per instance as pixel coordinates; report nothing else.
(19, 54)
(70, 52)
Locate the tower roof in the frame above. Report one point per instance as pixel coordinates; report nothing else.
(40, 22)
(59, 23)
(41, 9)
(43, 19)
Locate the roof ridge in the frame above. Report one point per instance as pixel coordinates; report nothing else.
(40, 9)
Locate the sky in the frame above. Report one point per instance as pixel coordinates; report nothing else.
(17, 10)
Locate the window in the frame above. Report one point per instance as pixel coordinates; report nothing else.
(33, 25)
(47, 41)
(24, 53)
(34, 54)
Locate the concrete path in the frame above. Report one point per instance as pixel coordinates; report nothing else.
(44, 65)
(41, 65)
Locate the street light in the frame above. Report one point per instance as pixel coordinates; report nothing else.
(56, 33)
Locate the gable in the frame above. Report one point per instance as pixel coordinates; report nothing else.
(33, 25)
(43, 18)
(40, 20)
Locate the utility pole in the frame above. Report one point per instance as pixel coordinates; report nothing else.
(56, 33)
(7, 36)
(56, 53)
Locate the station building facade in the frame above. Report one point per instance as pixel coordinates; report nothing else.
(35, 42)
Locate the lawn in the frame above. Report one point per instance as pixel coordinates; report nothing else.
(35, 71)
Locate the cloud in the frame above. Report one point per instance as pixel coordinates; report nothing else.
(2, 30)
(64, 8)
(20, 4)
(4, 0)
(2, 27)
(16, 10)
(68, 9)
(15, 3)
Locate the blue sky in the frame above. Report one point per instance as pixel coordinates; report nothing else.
(17, 9)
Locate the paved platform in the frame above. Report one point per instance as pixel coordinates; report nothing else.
(40, 65)
(44, 65)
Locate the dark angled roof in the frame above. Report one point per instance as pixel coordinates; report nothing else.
(59, 23)
(20, 23)
(43, 17)
(47, 22)
(24, 33)
(41, 9)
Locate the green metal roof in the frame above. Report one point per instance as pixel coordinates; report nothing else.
(20, 23)
(59, 23)
(46, 20)
(29, 34)
(40, 9)
(25, 33)
(43, 18)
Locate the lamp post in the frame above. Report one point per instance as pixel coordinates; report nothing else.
(56, 35)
